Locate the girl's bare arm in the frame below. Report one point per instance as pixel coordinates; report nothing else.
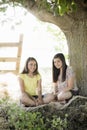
(55, 88)
(70, 84)
(39, 90)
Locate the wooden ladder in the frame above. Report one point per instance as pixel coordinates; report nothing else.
(11, 59)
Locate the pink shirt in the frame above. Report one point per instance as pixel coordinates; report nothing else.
(69, 73)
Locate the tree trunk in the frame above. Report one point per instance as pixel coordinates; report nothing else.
(77, 43)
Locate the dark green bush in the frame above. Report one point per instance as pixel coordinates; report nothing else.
(20, 119)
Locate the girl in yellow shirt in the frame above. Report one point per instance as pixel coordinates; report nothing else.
(30, 84)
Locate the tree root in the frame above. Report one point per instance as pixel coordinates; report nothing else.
(55, 105)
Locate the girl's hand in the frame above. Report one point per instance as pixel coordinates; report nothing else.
(36, 102)
(40, 101)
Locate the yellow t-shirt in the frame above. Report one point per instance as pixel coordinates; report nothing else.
(30, 84)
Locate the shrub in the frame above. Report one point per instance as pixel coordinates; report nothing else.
(20, 119)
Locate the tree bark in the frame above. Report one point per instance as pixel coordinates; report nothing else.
(77, 43)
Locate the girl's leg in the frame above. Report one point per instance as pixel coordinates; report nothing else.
(48, 98)
(63, 96)
(26, 100)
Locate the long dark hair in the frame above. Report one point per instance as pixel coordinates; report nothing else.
(55, 71)
(25, 70)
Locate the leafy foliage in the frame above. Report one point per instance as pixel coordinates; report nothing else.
(58, 7)
(19, 119)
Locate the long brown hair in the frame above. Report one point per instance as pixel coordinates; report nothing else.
(55, 71)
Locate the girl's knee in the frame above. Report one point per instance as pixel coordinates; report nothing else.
(61, 96)
(64, 96)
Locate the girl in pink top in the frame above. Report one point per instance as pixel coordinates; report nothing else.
(63, 79)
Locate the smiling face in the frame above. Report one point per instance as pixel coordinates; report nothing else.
(57, 63)
(32, 66)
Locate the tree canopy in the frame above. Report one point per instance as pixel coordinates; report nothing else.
(57, 7)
